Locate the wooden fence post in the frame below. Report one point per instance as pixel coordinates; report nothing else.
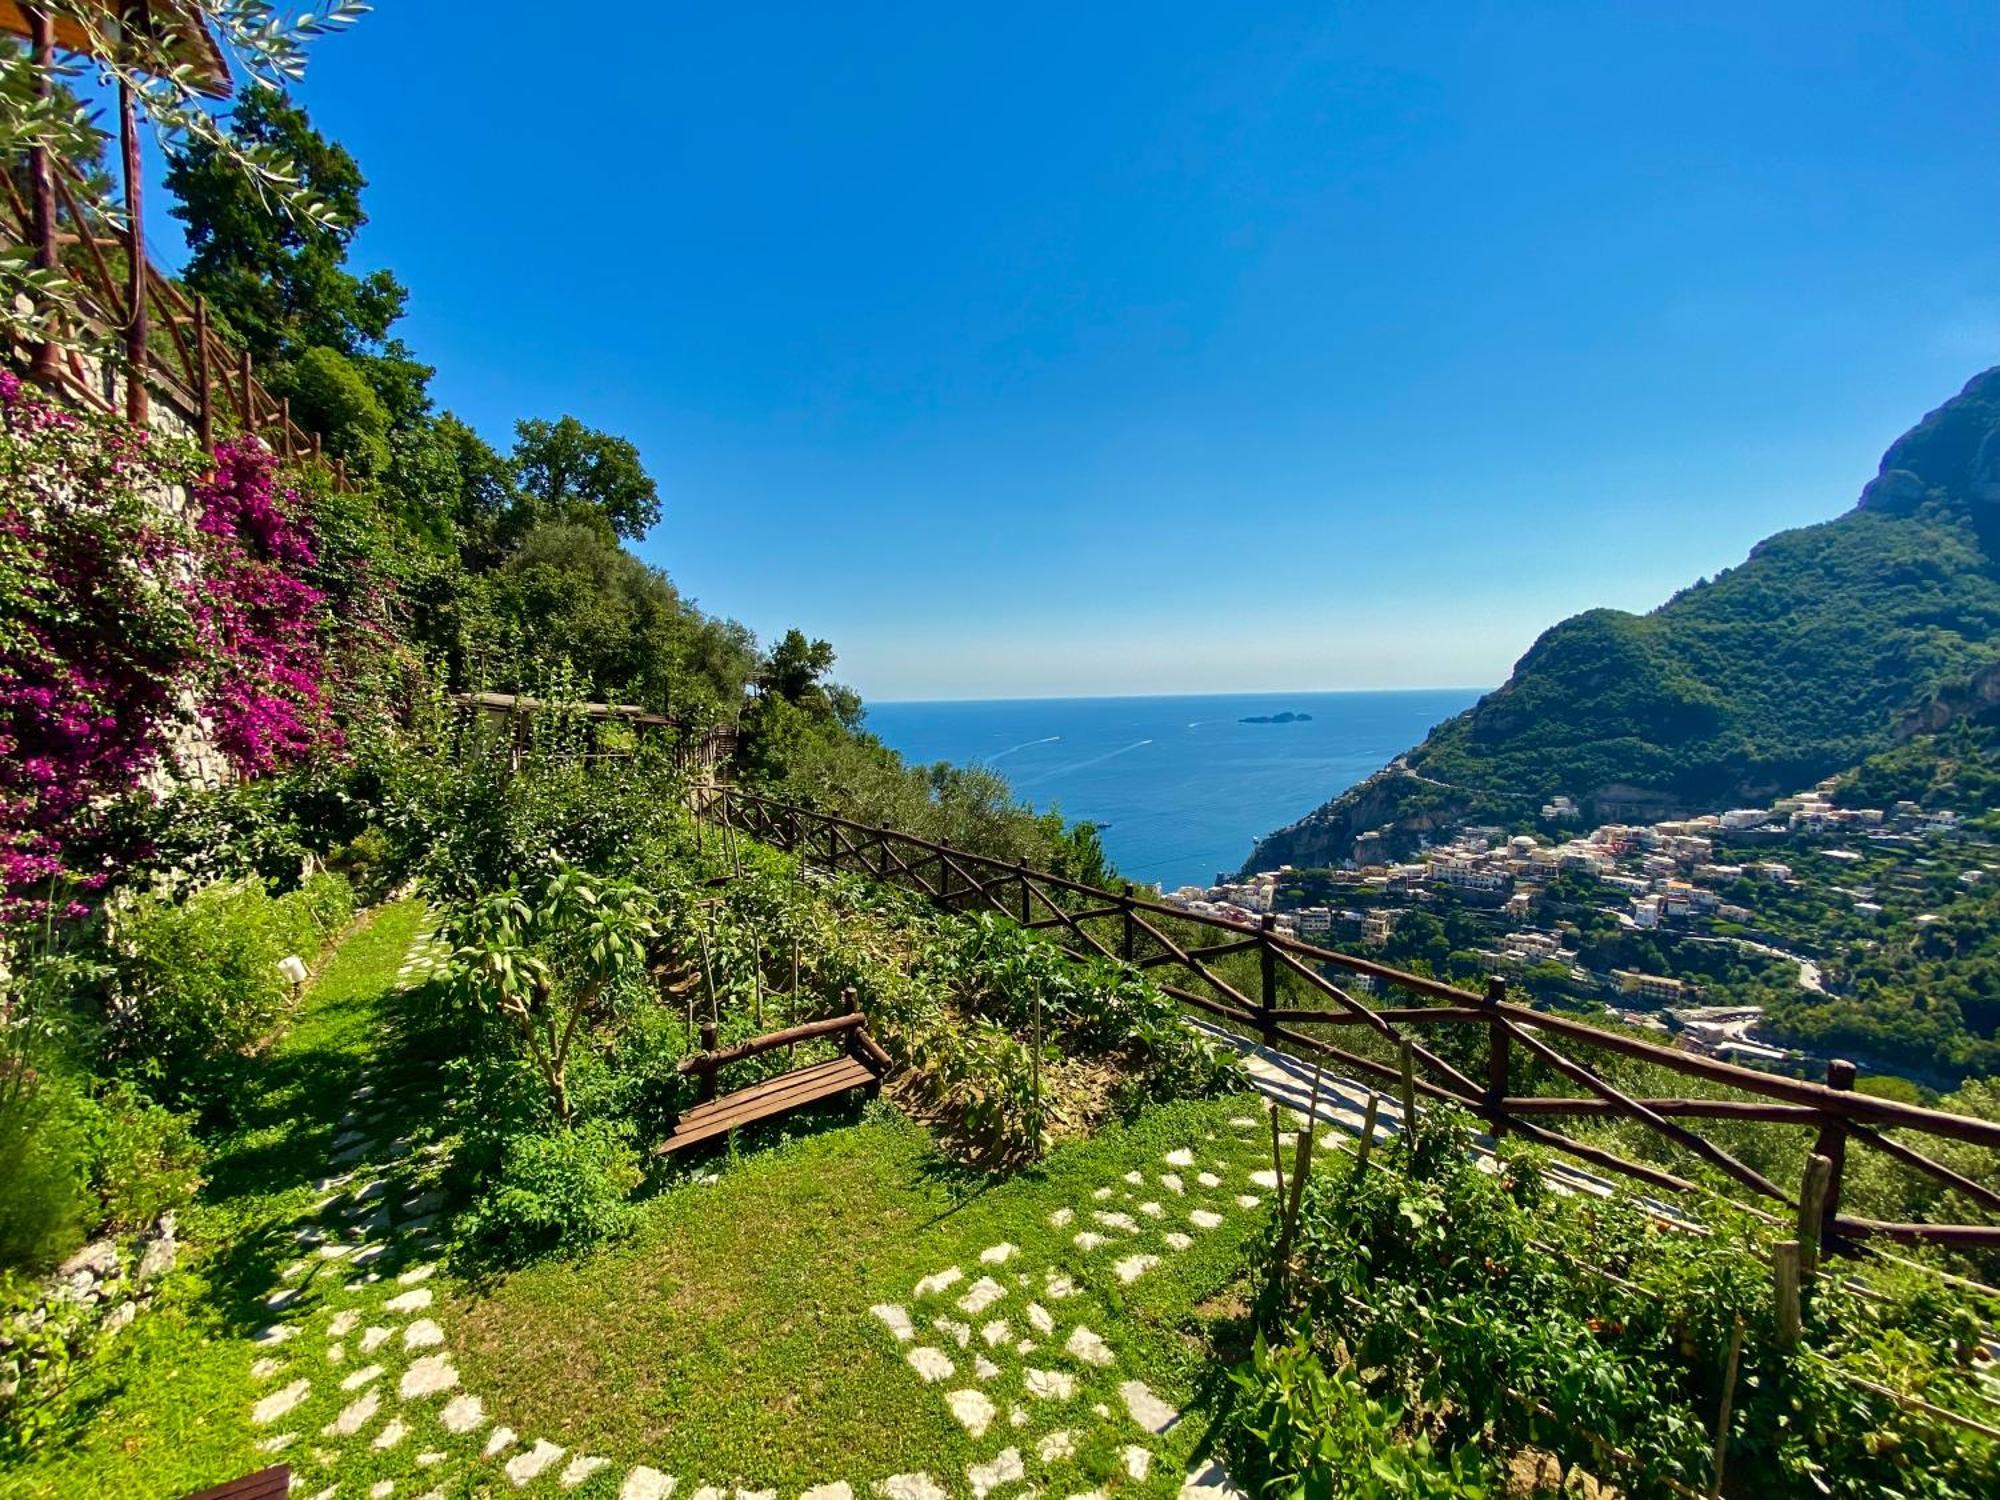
(137, 355)
(1832, 1144)
(1812, 1203)
(41, 182)
(1496, 1055)
(249, 392)
(1367, 1133)
(705, 1066)
(204, 376)
(1785, 1282)
(1128, 937)
(1408, 1068)
(1267, 966)
(285, 428)
(1027, 893)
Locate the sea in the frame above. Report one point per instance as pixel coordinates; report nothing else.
(1180, 787)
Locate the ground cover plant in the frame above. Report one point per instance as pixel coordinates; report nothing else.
(1462, 1301)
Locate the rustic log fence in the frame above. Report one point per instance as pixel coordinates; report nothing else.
(167, 350)
(1292, 987)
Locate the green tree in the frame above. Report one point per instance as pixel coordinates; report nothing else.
(567, 471)
(280, 282)
(330, 396)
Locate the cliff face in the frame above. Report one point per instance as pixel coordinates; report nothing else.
(1823, 647)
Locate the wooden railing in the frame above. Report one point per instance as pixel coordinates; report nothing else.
(171, 356)
(1286, 986)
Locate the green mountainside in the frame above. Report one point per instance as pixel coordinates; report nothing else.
(1827, 645)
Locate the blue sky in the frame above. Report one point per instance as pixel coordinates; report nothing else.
(1048, 349)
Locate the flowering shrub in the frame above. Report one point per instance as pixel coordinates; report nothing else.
(95, 630)
(116, 614)
(258, 620)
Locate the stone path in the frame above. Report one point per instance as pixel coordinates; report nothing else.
(354, 1367)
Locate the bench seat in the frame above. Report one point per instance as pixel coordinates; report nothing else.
(774, 1096)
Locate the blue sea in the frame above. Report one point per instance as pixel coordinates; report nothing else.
(1181, 787)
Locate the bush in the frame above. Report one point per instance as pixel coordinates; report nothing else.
(145, 1160)
(331, 396)
(46, 1207)
(198, 981)
(560, 1191)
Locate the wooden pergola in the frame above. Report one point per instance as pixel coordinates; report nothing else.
(142, 34)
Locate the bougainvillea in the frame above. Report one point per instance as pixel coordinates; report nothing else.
(118, 617)
(96, 635)
(259, 621)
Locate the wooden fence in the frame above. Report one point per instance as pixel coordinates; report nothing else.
(1295, 988)
(170, 354)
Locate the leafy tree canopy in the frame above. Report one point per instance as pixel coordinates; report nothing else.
(567, 471)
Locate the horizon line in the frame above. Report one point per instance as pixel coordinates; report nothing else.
(1139, 697)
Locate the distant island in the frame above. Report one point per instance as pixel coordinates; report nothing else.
(1283, 718)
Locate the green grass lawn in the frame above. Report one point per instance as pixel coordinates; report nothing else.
(732, 1342)
(163, 1406)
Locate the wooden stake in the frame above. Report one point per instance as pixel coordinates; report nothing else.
(1812, 1200)
(1409, 1086)
(1277, 1161)
(1035, 1071)
(707, 967)
(1728, 1404)
(1785, 1278)
(1367, 1133)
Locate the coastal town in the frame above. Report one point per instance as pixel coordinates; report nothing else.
(1713, 913)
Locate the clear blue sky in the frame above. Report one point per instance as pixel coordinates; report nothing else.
(1054, 349)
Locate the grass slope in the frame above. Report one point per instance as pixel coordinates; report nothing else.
(733, 1338)
(164, 1409)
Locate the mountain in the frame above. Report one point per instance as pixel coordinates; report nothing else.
(1827, 645)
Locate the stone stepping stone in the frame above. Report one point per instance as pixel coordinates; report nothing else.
(644, 1483)
(938, 1281)
(1147, 1409)
(408, 1302)
(896, 1320)
(1171, 1181)
(416, 1274)
(1089, 1240)
(1061, 1217)
(391, 1435)
(983, 1294)
(984, 1368)
(1267, 1178)
(364, 1376)
(1005, 1468)
(374, 1337)
(1138, 1462)
(1208, 1179)
(1058, 1287)
(264, 1369)
(910, 1487)
(1137, 1179)
(973, 1409)
(499, 1440)
(422, 1334)
(1181, 1158)
(840, 1489)
(1088, 1347)
(998, 1255)
(581, 1468)
(1116, 1221)
(1101, 1194)
(1040, 1319)
(1247, 1200)
(279, 1402)
(429, 1376)
(1151, 1209)
(1050, 1385)
(1204, 1218)
(354, 1416)
(463, 1414)
(997, 1333)
(931, 1365)
(343, 1323)
(1132, 1267)
(525, 1467)
(1056, 1446)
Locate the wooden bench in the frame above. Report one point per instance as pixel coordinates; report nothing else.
(862, 1068)
(266, 1484)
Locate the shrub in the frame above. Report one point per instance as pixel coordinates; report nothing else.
(144, 1160)
(560, 1191)
(198, 981)
(46, 1207)
(330, 396)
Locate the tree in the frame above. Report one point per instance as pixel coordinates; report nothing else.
(281, 283)
(567, 471)
(795, 670)
(330, 397)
